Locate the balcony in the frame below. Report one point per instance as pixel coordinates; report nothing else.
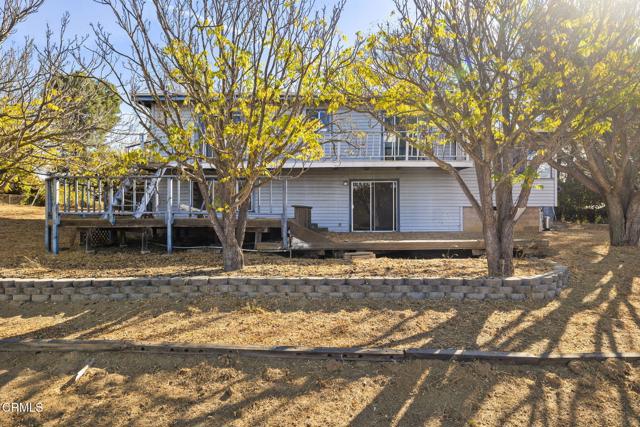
(375, 149)
(380, 149)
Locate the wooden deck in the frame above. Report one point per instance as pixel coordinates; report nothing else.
(305, 239)
(129, 222)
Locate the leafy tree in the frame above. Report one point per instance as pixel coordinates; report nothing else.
(576, 203)
(491, 76)
(608, 164)
(229, 83)
(97, 110)
(606, 158)
(45, 114)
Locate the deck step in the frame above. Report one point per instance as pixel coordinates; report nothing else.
(359, 255)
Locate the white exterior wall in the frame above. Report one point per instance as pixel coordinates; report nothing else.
(429, 199)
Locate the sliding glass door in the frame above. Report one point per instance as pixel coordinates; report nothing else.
(373, 205)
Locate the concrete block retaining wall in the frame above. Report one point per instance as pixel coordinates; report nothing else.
(540, 287)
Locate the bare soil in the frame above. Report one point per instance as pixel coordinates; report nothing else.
(146, 390)
(599, 311)
(22, 254)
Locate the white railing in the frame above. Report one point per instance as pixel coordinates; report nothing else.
(380, 146)
(138, 197)
(373, 146)
(141, 195)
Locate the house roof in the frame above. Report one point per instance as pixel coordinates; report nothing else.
(147, 99)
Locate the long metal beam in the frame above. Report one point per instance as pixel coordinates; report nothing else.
(339, 353)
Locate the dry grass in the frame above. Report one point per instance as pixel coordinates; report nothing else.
(599, 311)
(22, 253)
(130, 390)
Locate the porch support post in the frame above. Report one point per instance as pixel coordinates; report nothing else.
(112, 217)
(55, 217)
(285, 222)
(169, 215)
(47, 214)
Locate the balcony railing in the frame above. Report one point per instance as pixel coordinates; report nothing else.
(380, 146)
(374, 146)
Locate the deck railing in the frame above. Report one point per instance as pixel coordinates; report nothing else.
(381, 146)
(374, 146)
(140, 196)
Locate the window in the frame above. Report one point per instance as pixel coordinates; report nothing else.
(236, 117)
(544, 170)
(395, 141)
(322, 115)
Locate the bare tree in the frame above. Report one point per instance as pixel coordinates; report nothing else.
(229, 82)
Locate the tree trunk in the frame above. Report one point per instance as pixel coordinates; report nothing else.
(505, 231)
(624, 223)
(232, 256)
(498, 241)
(241, 225)
(633, 221)
(226, 228)
(492, 248)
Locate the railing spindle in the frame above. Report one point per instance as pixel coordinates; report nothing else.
(190, 197)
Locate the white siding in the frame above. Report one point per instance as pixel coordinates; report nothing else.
(545, 195)
(425, 197)
(429, 199)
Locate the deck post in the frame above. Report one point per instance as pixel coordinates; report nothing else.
(55, 217)
(47, 214)
(112, 218)
(169, 215)
(285, 223)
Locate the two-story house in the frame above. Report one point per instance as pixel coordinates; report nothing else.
(372, 180)
(369, 180)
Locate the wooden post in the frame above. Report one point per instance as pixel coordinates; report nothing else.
(285, 224)
(76, 194)
(257, 209)
(169, 215)
(134, 197)
(156, 183)
(111, 215)
(64, 195)
(47, 211)
(55, 217)
(406, 149)
(190, 197)
(100, 201)
(178, 190)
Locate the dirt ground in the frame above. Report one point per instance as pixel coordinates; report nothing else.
(22, 254)
(599, 311)
(146, 390)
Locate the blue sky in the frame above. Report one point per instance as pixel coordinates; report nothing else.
(358, 15)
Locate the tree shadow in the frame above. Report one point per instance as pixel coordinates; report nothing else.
(597, 312)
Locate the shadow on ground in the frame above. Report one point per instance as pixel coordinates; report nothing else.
(598, 312)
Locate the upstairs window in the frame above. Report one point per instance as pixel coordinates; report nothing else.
(544, 170)
(322, 115)
(236, 117)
